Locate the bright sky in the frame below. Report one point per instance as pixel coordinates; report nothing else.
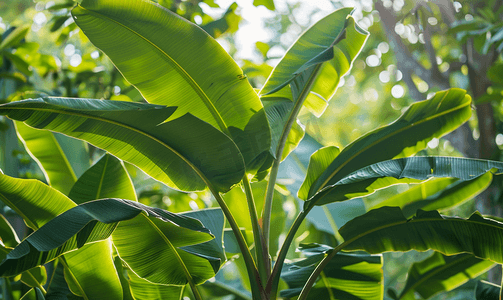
(252, 29)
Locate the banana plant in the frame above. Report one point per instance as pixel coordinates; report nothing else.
(204, 128)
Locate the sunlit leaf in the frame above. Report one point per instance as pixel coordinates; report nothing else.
(438, 194)
(439, 273)
(44, 148)
(152, 46)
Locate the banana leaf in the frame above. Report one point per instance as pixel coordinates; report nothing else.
(87, 223)
(326, 51)
(171, 61)
(440, 273)
(143, 290)
(347, 276)
(437, 194)
(407, 135)
(403, 170)
(185, 153)
(107, 178)
(36, 202)
(386, 229)
(44, 148)
(33, 294)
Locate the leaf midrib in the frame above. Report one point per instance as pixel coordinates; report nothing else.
(199, 91)
(388, 136)
(171, 247)
(72, 113)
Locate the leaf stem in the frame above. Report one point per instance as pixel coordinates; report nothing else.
(266, 213)
(253, 275)
(319, 268)
(272, 283)
(263, 259)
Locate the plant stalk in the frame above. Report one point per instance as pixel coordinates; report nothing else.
(319, 268)
(266, 213)
(272, 283)
(255, 282)
(263, 259)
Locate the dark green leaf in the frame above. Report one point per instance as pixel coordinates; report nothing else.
(347, 276)
(386, 229)
(185, 153)
(487, 291)
(90, 222)
(403, 170)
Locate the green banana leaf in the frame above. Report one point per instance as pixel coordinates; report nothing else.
(487, 291)
(168, 244)
(278, 107)
(123, 277)
(46, 151)
(185, 153)
(91, 222)
(318, 163)
(76, 151)
(33, 294)
(90, 271)
(171, 61)
(386, 229)
(107, 178)
(213, 251)
(8, 236)
(35, 277)
(58, 288)
(144, 290)
(333, 43)
(403, 170)
(347, 276)
(437, 194)
(440, 273)
(407, 135)
(36, 202)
